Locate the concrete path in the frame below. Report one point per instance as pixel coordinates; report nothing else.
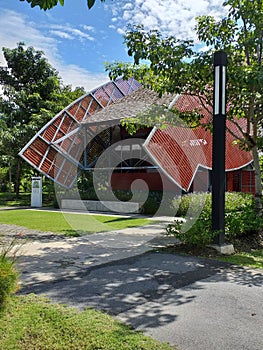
(193, 303)
(189, 302)
(46, 256)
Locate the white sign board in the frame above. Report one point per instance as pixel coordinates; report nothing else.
(36, 192)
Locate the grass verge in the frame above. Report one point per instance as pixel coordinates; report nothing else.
(253, 259)
(248, 256)
(66, 223)
(33, 323)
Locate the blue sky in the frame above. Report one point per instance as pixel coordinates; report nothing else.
(77, 41)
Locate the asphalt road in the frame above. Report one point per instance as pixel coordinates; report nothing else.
(190, 302)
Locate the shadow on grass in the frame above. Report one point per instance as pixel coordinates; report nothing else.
(127, 222)
(118, 219)
(75, 233)
(14, 208)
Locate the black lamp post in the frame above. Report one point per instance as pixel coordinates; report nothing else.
(218, 153)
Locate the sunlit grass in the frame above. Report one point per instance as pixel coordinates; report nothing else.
(67, 223)
(253, 259)
(33, 323)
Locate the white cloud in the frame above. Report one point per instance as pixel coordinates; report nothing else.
(14, 28)
(120, 31)
(89, 28)
(80, 34)
(169, 16)
(77, 76)
(61, 34)
(70, 32)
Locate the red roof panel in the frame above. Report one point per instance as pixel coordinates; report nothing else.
(178, 151)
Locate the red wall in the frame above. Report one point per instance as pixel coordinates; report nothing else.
(123, 181)
(241, 181)
(238, 180)
(248, 181)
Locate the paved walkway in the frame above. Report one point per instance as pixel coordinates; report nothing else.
(190, 302)
(46, 256)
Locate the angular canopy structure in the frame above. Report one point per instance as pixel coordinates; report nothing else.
(65, 145)
(57, 148)
(180, 151)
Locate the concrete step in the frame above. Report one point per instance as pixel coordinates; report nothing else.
(104, 206)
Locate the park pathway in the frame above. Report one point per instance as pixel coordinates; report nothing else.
(194, 303)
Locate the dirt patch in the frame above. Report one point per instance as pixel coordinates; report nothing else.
(246, 244)
(249, 243)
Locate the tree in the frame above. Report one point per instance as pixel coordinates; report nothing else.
(31, 95)
(49, 4)
(177, 66)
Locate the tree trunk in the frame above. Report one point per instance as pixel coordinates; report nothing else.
(18, 176)
(258, 184)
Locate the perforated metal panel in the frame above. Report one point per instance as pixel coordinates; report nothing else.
(179, 152)
(57, 148)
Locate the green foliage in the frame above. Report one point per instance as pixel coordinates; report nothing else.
(261, 167)
(175, 66)
(32, 322)
(195, 201)
(148, 207)
(152, 203)
(86, 188)
(8, 273)
(31, 95)
(90, 3)
(9, 199)
(3, 178)
(44, 4)
(8, 281)
(155, 203)
(49, 4)
(240, 218)
(196, 230)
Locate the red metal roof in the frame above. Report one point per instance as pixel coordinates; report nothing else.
(56, 149)
(179, 151)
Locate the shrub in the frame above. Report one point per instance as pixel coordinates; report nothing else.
(8, 281)
(240, 218)
(149, 206)
(196, 228)
(189, 204)
(8, 274)
(152, 203)
(3, 178)
(158, 201)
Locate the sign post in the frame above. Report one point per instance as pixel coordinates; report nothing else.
(36, 192)
(218, 152)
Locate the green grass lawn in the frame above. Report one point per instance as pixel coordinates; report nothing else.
(252, 259)
(33, 323)
(66, 223)
(8, 199)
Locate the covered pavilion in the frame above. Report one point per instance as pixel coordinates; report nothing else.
(88, 135)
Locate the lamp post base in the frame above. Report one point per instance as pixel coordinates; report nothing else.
(225, 249)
